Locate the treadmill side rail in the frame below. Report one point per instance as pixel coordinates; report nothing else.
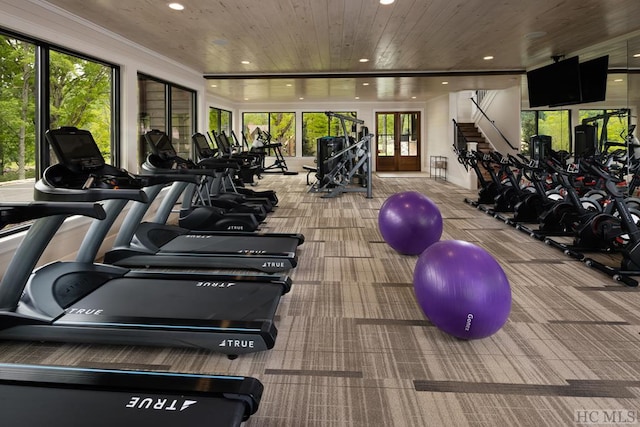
(33, 395)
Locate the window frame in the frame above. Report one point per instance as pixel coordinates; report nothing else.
(537, 127)
(168, 86)
(42, 111)
(269, 113)
(330, 127)
(218, 125)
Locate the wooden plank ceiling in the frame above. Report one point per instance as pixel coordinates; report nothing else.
(312, 49)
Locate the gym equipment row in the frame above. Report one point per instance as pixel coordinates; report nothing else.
(108, 303)
(581, 207)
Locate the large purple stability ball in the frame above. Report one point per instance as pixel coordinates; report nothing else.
(410, 222)
(462, 289)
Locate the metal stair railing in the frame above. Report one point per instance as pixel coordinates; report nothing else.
(494, 125)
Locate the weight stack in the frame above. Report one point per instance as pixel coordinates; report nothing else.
(539, 146)
(585, 140)
(327, 146)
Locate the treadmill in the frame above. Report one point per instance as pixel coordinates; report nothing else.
(113, 397)
(148, 244)
(85, 302)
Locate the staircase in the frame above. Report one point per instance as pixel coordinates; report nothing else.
(471, 133)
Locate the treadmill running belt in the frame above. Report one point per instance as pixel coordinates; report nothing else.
(160, 300)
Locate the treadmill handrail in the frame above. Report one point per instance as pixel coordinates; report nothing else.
(14, 213)
(151, 168)
(31, 249)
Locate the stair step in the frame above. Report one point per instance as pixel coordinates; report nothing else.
(472, 134)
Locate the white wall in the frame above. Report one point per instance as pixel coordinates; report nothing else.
(464, 107)
(439, 114)
(504, 111)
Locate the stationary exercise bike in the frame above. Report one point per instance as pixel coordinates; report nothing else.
(614, 229)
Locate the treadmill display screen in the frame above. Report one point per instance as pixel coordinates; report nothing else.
(162, 145)
(202, 146)
(77, 149)
(201, 142)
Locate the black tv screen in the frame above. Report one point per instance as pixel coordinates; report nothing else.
(593, 79)
(555, 84)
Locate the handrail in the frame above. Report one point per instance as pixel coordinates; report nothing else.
(494, 125)
(460, 153)
(458, 135)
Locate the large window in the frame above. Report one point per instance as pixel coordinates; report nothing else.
(17, 112)
(280, 126)
(182, 120)
(555, 123)
(317, 125)
(220, 120)
(612, 125)
(45, 87)
(80, 96)
(174, 117)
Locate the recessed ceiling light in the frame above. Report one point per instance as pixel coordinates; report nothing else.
(301, 98)
(364, 60)
(289, 85)
(176, 6)
(618, 80)
(637, 55)
(214, 85)
(386, 1)
(445, 83)
(413, 97)
(365, 84)
(245, 62)
(488, 58)
(357, 97)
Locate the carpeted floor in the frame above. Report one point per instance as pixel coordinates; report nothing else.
(354, 348)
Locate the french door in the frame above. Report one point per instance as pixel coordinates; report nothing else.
(398, 141)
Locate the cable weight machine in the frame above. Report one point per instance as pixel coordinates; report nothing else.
(343, 165)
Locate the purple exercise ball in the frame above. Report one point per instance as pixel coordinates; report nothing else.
(462, 289)
(410, 222)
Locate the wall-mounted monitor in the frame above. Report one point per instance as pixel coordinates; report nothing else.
(555, 84)
(568, 82)
(593, 79)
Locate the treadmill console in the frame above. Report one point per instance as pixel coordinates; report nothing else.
(81, 164)
(76, 148)
(163, 154)
(204, 150)
(160, 144)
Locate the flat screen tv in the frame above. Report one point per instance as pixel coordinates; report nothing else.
(555, 84)
(593, 79)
